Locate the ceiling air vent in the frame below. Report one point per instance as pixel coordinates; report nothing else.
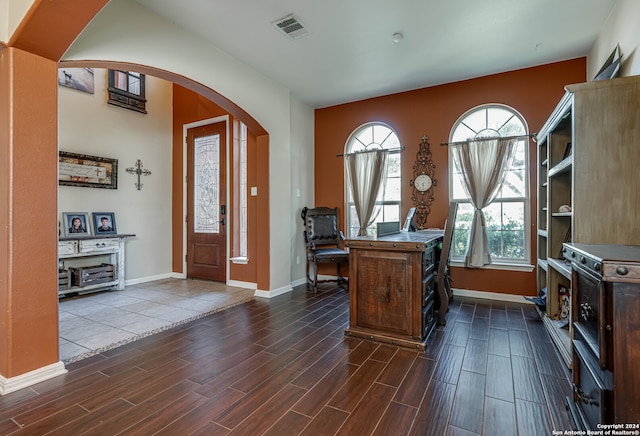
(291, 27)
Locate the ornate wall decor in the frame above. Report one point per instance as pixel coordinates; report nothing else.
(423, 183)
(138, 171)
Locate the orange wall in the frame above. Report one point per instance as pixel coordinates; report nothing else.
(28, 217)
(189, 107)
(534, 92)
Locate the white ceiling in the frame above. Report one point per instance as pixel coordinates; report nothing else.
(350, 55)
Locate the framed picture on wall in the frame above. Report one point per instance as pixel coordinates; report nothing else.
(76, 223)
(76, 169)
(76, 78)
(104, 223)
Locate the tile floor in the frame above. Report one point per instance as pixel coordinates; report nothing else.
(92, 323)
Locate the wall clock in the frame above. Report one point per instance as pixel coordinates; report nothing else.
(423, 183)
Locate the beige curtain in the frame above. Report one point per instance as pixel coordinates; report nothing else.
(367, 173)
(484, 163)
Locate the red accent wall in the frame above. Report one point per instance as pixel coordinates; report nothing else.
(533, 92)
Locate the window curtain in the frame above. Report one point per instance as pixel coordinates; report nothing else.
(484, 164)
(367, 173)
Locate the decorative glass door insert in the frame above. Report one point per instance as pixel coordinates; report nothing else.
(206, 184)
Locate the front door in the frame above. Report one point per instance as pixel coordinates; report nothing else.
(206, 202)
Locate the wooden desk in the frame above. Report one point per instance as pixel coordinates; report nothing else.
(392, 287)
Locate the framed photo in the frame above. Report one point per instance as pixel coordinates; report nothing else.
(76, 223)
(76, 78)
(104, 223)
(88, 171)
(408, 222)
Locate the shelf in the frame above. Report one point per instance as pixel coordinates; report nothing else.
(562, 167)
(542, 263)
(90, 288)
(73, 252)
(545, 162)
(562, 214)
(543, 233)
(544, 185)
(561, 337)
(561, 267)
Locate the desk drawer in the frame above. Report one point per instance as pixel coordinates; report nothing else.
(428, 289)
(66, 247)
(428, 262)
(98, 245)
(428, 320)
(591, 395)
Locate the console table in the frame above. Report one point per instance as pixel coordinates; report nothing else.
(392, 286)
(79, 247)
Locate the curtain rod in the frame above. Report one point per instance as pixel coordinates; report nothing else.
(369, 151)
(530, 135)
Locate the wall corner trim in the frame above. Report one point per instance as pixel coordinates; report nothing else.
(274, 292)
(8, 385)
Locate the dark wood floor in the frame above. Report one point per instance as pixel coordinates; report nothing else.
(284, 367)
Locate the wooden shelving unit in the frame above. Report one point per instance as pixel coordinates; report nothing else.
(589, 160)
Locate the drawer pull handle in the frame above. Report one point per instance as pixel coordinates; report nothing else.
(586, 312)
(622, 270)
(586, 399)
(100, 244)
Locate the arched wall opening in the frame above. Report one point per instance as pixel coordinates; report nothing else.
(28, 68)
(259, 270)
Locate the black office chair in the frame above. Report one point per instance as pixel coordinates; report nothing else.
(324, 241)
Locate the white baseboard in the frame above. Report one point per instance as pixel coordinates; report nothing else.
(245, 285)
(274, 292)
(490, 296)
(298, 282)
(326, 277)
(150, 279)
(177, 275)
(8, 385)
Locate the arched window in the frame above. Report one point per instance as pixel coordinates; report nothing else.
(376, 136)
(508, 216)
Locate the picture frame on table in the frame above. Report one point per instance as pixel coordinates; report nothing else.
(104, 223)
(76, 224)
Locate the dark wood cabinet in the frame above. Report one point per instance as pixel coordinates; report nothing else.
(587, 176)
(392, 286)
(606, 325)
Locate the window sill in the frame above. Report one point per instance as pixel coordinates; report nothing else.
(500, 266)
(240, 260)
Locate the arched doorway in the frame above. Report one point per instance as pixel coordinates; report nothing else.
(29, 301)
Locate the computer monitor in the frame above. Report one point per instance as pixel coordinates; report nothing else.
(408, 222)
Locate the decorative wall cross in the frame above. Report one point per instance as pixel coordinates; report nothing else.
(139, 172)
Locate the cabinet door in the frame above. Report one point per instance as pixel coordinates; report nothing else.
(383, 300)
(626, 330)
